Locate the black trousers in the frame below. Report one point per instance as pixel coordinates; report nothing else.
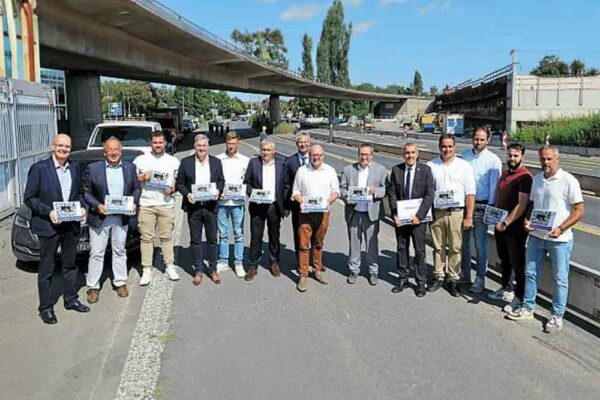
(510, 245)
(48, 248)
(199, 219)
(295, 211)
(259, 214)
(404, 234)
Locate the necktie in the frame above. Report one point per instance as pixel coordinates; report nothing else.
(303, 160)
(407, 185)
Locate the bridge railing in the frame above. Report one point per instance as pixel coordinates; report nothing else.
(499, 73)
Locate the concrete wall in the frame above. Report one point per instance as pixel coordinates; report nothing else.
(539, 98)
(408, 107)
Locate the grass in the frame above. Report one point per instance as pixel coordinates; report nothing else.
(165, 338)
(581, 131)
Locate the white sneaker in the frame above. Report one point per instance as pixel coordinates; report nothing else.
(554, 324)
(478, 285)
(508, 296)
(239, 270)
(171, 272)
(497, 295)
(146, 278)
(222, 266)
(513, 306)
(521, 314)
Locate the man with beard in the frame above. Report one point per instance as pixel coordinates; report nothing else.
(513, 196)
(556, 193)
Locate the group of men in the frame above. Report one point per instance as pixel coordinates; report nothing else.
(449, 193)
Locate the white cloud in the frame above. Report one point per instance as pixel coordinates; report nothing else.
(435, 6)
(363, 27)
(385, 3)
(300, 13)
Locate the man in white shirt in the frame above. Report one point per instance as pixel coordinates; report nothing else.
(453, 204)
(362, 217)
(316, 186)
(556, 194)
(487, 168)
(234, 169)
(156, 173)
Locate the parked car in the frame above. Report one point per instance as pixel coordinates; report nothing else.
(187, 126)
(25, 243)
(134, 135)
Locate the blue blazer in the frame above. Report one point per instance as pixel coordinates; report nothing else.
(42, 189)
(95, 189)
(254, 180)
(186, 177)
(292, 165)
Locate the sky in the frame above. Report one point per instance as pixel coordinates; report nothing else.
(447, 41)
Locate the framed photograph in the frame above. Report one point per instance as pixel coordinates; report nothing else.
(314, 204)
(67, 211)
(119, 205)
(408, 209)
(542, 220)
(446, 199)
(204, 191)
(159, 180)
(234, 191)
(494, 215)
(358, 194)
(262, 196)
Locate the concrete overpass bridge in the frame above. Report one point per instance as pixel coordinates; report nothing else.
(143, 40)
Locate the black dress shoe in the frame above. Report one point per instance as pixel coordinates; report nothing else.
(420, 290)
(453, 289)
(401, 285)
(48, 317)
(77, 306)
(437, 284)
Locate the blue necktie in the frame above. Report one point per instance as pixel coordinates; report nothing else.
(407, 185)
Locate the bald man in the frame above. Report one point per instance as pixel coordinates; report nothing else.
(55, 179)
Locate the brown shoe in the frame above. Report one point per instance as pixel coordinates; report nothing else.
(197, 279)
(92, 296)
(250, 274)
(214, 276)
(122, 291)
(275, 271)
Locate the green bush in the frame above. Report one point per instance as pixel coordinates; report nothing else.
(582, 131)
(284, 128)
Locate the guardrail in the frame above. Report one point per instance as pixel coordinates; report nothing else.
(584, 282)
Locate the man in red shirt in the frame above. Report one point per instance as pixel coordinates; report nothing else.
(513, 196)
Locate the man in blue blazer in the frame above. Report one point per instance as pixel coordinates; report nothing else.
(411, 180)
(55, 179)
(201, 168)
(266, 172)
(113, 177)
(293, 163)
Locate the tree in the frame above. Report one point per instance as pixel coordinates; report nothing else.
(593, 72)
(551, 65)
(307, 65)
(577, 68)
(433, 91)
(333, 48)
(417, 85)
(268, 45)
(135, 96)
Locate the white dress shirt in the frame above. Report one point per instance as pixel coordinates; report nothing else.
(202, 171)
(316, 182)
(363, 178)
(268, 176)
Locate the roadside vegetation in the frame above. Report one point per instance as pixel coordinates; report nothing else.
(582, 131)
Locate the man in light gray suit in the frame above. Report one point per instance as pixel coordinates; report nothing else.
(364, 179)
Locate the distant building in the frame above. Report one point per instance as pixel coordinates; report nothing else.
(56, 80)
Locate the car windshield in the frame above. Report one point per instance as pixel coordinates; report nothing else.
(130, 136)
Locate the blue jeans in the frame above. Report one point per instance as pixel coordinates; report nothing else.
(560, 253)
(479, 230)
(236, 215)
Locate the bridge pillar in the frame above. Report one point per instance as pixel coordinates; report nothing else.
(83, 106)
(331, 119)
(274, 109)
(372, 108)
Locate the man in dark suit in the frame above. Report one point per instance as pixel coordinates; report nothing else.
(55, 179)
(294, 162)
(113, 177)
(201, 169)
(266, 172)
(411, 180)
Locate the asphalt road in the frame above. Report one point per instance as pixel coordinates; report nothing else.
(264, 340)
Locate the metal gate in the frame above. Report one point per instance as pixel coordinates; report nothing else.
(27, 126)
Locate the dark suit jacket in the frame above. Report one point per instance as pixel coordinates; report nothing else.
(254, 180)
(95, 189)
(42, 189)
(186, 177)
(422, 187)
(292, 165)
